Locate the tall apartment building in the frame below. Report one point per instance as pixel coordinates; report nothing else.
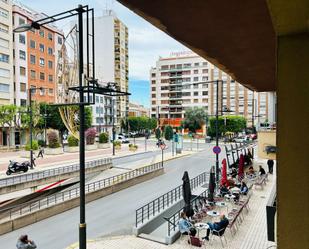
(111, 65)
(137, 110)
(177, 84)
(6, 62)
(36, 54)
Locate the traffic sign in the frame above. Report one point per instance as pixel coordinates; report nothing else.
(216, 149)
(162, 146)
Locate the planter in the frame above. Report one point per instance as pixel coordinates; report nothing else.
(53, 151)
(26, 153)
(72, 149)
(91, 146)
(117, 147)
(104, 146)
(132, 149)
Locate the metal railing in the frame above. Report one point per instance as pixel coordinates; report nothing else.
(172, 221)
(159, 204)
(56, 198)
(50, 172)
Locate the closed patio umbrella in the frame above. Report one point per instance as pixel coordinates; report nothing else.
(212, 184)
(241, 167)
(186, 193)
(223, 173)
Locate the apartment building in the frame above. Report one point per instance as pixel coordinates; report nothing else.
(36, 55)
(111, 65)
(185, 80)
(6, 62)
(137, 110)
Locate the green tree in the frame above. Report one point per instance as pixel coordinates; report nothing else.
(158, 133)
(168, 132)
(226, 124)
(194, 118)
(7, 116)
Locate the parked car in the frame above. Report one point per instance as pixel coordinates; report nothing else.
(253, 136)
(241, 139)
(123, 139)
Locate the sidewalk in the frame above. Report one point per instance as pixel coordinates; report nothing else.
(251, 234)
(67, 158)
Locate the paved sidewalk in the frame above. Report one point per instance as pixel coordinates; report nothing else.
(67, 158)
(252, 233)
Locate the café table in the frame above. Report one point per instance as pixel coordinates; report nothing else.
(200, 226)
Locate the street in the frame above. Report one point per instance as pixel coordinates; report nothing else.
(114, 214)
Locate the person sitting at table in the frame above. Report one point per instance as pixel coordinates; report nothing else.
(223, 190)
(184, 224)
(222, 224)
(244, 188)
(194, 241)
(261, 171)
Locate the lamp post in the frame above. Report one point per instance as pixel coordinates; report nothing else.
(113, 129)
(30, 126)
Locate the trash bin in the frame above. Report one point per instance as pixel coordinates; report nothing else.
(178, 150)
(207, 139)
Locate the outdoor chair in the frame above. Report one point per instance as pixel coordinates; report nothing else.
(218, 233)
(195, 242)
(232, 224)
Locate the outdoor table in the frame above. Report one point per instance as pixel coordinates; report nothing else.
(213, 214)
(221, 204)
(200, 226)
(228, 197)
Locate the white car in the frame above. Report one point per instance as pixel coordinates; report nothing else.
(241, 139)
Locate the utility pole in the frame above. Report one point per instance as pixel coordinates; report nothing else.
(217, 132)
(30, 127)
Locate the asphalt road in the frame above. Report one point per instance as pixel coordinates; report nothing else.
(114, 214)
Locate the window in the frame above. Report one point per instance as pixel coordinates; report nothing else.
(42, 91)
(32, 44)
(195, 93)
(4, 43)
(50, 64)
(50, 78)
(21, 21)
(22, 55)
(42, 48)
(205, 63)
(195, 86)
(22, 39)
(42, 76)
(4, 58)
(5, 73)
(195, 79)
(196, 64)
(50, 91)
(32, 74)
(50, 51)
(195, 101)
(4, 88)
(4, 28)
(23, 102)
(59, 40)
(205, 93)
(205, 70)
(195, 71)
(204, 78)
(23, 87)
(101, 100)
(22, 71)
(4, 13)
(50, 36)
(32, 59)
(42, 62)
(164, 67)
(97, 99)
(41, 33)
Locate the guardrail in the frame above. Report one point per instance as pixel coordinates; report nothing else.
(50, 172)
(172, 221)
(154, 207)
(48, 201)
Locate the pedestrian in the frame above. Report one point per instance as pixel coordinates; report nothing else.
(41, 152)
(270, 164)
(24, 243)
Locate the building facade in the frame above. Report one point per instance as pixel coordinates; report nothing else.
(111, 65)
(186, 80)
(137, 110)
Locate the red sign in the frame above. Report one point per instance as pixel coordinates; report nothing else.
(162, 146)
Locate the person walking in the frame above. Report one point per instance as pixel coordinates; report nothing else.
(24, 243)
(270, 164)
(41, 152)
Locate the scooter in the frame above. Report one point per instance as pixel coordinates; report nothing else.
(15, 167)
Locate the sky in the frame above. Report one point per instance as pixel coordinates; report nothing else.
(146, 43)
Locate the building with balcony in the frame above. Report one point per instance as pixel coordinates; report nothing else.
(137, 110)
(183, 80)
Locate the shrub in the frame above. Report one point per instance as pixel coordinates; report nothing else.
(72, 141)
(168, 132)
(103, 138)
(35, 145)
(41, 143)
(133, 146)
(53, 139)
(117, 143)
(90, 135)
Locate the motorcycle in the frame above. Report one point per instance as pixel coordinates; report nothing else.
(15, 167)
